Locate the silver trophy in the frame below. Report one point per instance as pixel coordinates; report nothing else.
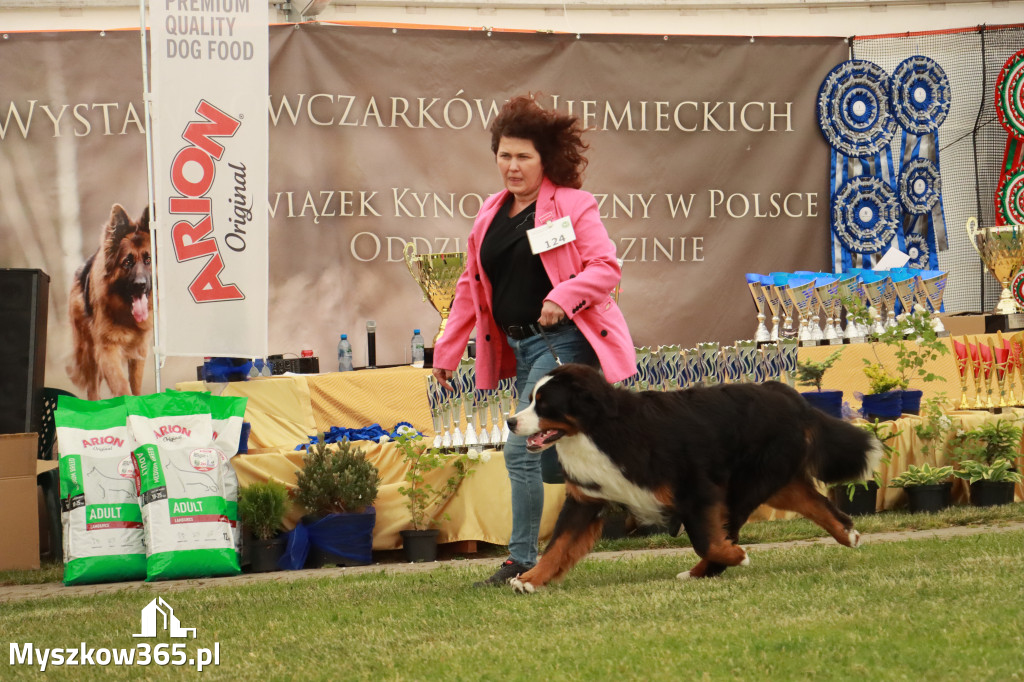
(906, 289)
(709, 362)
(781, 287)
(874, 287)
(748, 356)
(826, 290)
(931, 285)
(761, 301)
(671, 358)
(770, 365)
(733, 366)
(788, 354)
(694, 366)
(801, 293)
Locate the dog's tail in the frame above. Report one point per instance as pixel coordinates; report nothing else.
(840, 451)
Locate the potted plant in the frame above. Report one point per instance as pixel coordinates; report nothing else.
(858, 498)
(423, 500)
(914, 343)
(810, 373)
(337, 486)
(262, 506)
(927, 487)
(985, 458)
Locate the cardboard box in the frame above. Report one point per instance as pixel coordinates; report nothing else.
(19, 541)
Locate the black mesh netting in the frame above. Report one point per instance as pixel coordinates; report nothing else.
(971, 141)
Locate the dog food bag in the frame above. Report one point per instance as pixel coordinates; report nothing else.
(103, 530)
(228, 413)
(179, 480)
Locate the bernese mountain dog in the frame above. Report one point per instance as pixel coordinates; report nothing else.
(698, 459)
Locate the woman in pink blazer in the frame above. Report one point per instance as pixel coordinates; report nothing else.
(508, 293)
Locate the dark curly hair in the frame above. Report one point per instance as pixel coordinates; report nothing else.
(556, 136)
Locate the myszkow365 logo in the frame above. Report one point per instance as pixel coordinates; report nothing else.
(156, 617)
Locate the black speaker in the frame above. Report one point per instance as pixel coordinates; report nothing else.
(24, 295)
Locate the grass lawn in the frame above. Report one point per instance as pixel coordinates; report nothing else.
(924, 609)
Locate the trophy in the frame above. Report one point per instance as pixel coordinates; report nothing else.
(770, 362)
(963, 364)
(437, 274)
(754, 284)
(1000, 360)
(931, 285)
(709, 360)
(905, 288)
(826, 290)
(695, 368)
(671, 358)
(987, 367)
(643, 369)
(1017, 359)
(781, 285)
(749, 365)
(772, 298)
(849, 294)
(890, 297)
(801, 293)
(874, 285)
(1001, 249)
(788, 353)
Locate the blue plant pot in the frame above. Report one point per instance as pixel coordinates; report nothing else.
(829, 402)
(910, 402)
(342, 539)
(882, 406)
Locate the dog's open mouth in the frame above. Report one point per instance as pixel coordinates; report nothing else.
(140, 308)
(543, 439)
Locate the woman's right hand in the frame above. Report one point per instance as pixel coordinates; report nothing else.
(442, 376)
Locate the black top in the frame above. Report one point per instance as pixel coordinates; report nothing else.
(517, 276)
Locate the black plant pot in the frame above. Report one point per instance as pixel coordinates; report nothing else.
(419, 545)
(991, 493)
(863, 501)
(264, 554)
(928, 498)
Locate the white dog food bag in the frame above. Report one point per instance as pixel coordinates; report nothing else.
(179, 480)
(228, 414)
(103, 529)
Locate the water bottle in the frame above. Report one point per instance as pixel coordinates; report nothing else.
(417, 348)
(344, 354)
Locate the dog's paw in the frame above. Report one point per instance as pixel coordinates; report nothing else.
(746, 558)
(685, 575)
(521, 587)
(854, 538)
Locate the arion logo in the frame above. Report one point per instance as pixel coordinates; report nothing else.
(158, 614)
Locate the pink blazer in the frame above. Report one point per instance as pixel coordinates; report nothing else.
(582, 272)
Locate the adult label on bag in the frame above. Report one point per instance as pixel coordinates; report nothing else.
(551, 235)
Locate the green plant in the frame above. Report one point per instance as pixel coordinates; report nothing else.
(910, 359)
(934, 425)
(336, 479)
(262, 506)
(810, 373)
(923, 475)
(987, 442)
(422, 498)
(997, 470)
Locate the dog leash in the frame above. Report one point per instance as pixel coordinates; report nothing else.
(551, 348)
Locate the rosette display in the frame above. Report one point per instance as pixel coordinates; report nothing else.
(920, 186)
(865, 214)
(1010, 198)
(1010, 95)
(854, 108)
(917, 248)
(920, 95)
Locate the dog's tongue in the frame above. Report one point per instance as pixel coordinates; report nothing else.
(140, 308)
(539, 440)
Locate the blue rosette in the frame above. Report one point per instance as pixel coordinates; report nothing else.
(920, 186)
(854, 108)
(917, 247)
(865, 214)
(920, 95)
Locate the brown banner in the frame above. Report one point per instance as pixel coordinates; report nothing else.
(705, 157)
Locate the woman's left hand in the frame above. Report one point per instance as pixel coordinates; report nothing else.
(550, 314)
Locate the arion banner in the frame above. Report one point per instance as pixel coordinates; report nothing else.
(705, 157)
(210, 86)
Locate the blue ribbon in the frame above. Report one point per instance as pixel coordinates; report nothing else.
(373, 432)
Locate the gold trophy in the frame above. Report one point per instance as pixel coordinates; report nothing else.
(1000, 362)
(1001, 249)
(437, 274)
(963, 367)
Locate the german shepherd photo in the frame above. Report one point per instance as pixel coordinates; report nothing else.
(111, 307)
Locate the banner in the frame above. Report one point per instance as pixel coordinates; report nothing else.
(705, 158)
(210, 86)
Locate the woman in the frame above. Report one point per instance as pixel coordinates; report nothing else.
(508, 293)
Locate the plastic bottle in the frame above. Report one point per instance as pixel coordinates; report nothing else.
(344, 354)
(417, 348)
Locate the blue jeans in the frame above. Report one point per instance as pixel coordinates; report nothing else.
(534, 360)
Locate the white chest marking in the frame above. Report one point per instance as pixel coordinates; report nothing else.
(584, 462)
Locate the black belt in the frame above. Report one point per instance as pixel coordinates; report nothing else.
(518, 332)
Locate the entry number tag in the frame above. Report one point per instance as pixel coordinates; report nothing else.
(551, 235)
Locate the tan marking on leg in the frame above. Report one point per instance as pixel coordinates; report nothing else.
(664, 496)
(801, 497)
(562, 554)
(721, 549)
